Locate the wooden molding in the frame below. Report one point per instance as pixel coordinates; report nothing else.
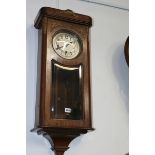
(67, 15)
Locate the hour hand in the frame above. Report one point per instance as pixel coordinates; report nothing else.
(58, 47)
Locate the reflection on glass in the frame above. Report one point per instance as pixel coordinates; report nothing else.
(67, 92)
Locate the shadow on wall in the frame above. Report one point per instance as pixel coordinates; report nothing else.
(31, 65)
(121, 72)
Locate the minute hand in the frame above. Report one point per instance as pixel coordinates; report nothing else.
(69, 43)
(65, 45)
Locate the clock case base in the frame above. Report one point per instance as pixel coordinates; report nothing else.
(60, 138)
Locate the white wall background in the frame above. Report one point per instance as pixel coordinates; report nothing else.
(124, 4)
(109, 80)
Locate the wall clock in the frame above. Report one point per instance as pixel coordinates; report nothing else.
(63, 111)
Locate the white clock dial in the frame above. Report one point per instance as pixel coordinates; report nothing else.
(67, 45)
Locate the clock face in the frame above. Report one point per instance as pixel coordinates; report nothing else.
(66, 45)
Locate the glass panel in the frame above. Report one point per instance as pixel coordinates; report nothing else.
(67, 100)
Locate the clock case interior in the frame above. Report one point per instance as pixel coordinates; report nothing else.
(60, 126)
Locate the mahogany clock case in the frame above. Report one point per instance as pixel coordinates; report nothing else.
(49, 22)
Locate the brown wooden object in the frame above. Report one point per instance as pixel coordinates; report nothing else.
(126, 51)
(63, 108)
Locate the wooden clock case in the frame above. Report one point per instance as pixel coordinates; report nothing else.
(60, 132)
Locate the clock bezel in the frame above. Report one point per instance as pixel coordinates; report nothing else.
(73, 34)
